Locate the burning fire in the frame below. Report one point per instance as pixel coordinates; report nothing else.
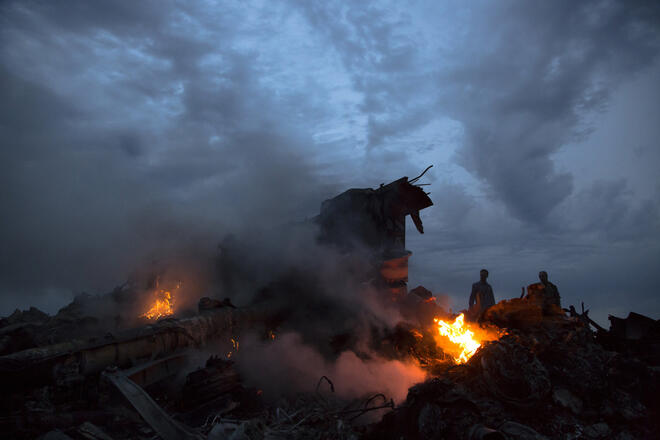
(234, 345)
(163, 305)
(463, 341)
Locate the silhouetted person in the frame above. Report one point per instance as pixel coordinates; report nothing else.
(545, 295)
(551, 292)
(481, 296)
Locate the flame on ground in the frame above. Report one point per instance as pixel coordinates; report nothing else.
(162, 306)
(234, 346)
(463, 341)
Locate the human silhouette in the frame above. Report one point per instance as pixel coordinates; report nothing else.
(481, 297)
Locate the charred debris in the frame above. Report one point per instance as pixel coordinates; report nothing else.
(86, 373)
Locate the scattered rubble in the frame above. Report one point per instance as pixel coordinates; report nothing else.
(549, 376)
(88, 373)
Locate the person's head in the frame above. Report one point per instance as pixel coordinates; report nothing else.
(483, 274)
(543, 276)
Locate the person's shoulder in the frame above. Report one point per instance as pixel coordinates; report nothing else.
(475, 284)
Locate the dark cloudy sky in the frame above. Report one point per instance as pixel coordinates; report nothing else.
(126, 127)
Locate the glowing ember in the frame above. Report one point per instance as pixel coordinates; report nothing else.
(461, 337)
(234, 345)
(163, 305)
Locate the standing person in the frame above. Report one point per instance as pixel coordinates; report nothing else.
(481, 297)
(550, 290)
(545, 294)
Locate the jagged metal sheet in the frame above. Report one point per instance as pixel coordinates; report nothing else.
(151, 412)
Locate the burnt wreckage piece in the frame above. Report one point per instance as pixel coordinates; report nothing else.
(375, 220)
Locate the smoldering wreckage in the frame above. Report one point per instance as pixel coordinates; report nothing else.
(527, 370)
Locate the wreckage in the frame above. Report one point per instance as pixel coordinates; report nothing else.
(375, 220)
(526, 372)
(582, 384)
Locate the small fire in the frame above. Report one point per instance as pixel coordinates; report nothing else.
(464, 342)
(163, 306)
(234, 345)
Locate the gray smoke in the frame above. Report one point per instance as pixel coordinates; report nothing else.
(131, 132)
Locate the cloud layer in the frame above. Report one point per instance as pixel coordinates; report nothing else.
(129, 130)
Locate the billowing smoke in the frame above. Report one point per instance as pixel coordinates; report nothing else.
(324, 317)
(189, 142)
(293, 366)
(170, 157)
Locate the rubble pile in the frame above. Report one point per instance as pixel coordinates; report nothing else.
(89, 315)
(141, 363)
(549, 377)
(305, 416)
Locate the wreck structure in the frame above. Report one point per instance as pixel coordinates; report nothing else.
(543, 375)
(374, 220)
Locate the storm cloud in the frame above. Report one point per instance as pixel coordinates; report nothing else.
(130, 130)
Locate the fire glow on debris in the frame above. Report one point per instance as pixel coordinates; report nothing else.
(162, 306)
(234, 345)
(461, 336)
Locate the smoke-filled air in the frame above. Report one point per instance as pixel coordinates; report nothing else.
(329, 220)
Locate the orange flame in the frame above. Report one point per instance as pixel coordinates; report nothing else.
(463, 341)
(163, 306)
(234, 344)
